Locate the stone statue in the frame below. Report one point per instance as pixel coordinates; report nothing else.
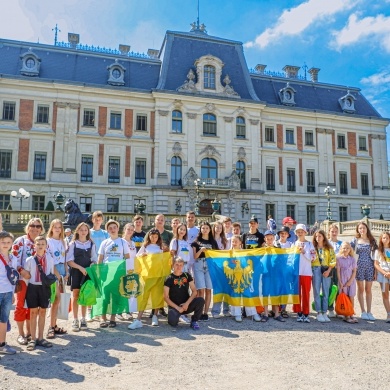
(73, 214)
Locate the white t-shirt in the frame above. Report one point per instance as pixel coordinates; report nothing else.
(114, 250)
(306, 259)
(31, 267)
(220, 245)
(182, 248)
(81, 245)
(151, 248)
(5, 285)
(192, 233)
(384, 264)
(286, 244)
(133, 253)
(57, 250)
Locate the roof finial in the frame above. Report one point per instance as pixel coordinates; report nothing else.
(56, 31)
(305, 67)
(196, 26)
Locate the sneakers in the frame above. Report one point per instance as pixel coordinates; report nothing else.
(256, 317)
(204, 317)
(75, 325)
(216, 315)
(371, 317)
(7, 350)
(135, 325)
(154, 321)
(364, 316)
(331, 314)
(238, 318)
(83, 323)
(306, 319)
(22, 340)
(325, 317)
(194, 325)
(227, 314)
(320, 317)
(300, 317)
(183, 318)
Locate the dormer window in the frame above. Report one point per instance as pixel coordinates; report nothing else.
(209, 77)
(287, 95)
(347, 103)
(30, 64)
(116, 74)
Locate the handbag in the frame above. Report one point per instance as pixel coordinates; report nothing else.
(12, 275)
(63, 307)
(47, 280)
(343, 305)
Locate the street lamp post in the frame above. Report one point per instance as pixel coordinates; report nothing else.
(23, 195)
(328, 193)
(198, 185)
(216, 205)
(59, 199)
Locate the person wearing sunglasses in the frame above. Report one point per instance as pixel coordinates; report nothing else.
(22, 248)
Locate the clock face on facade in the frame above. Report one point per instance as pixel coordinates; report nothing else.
(348, 102)
(116, 73)
(30, 63)
(288, 95)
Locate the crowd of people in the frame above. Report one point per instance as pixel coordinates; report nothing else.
(33, 262)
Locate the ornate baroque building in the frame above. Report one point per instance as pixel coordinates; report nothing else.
(111, 128)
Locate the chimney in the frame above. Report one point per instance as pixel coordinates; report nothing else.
(291, 71)
(124, 49)
(73, 39)
(314, 74)
(259, 68)
(153, 53)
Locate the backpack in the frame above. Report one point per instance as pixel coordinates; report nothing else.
(273, 224)
(87, 295)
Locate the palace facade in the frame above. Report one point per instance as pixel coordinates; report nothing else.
(113, 128)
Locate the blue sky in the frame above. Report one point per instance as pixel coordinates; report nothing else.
(348, 39)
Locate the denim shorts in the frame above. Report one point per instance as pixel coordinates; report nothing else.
(61, 269)
(5, 306)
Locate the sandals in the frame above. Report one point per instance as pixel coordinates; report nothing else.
(279, 318)
(60, 331)
(112, 324)
(284, 314)
(44, 343)
(264, 318)
(104, 324)
(51, 333)
(349, 320)
(31, 345)
(271, 314)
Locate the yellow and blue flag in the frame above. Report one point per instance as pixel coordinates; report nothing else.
(254, 277)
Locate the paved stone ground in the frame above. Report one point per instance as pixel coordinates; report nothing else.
(222, 355)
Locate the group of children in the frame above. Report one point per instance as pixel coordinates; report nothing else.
(325, 261)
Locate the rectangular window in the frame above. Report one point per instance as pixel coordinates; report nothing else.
(310, 214)
(310, 178)
(240, 130)
(343, 213)
(340, 141)
(290, 136)
(270, 178)
(4, 201)
(113, 205)
(269, 210)
(89, 118)
(38, 202)
(363, 144)
(364, 183)
(343, 183)
(39, 166)
(43, 114)
(269, 134)
(86, 168)
(9, 111)
(5, 163)
(140, 171)
(291, 180)
(209, 125)
(115, 120)
(114, 169)
(85, 204)
(290, 210)
(309, 138)
(142, 122)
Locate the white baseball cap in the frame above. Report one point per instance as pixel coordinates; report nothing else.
(301, 226)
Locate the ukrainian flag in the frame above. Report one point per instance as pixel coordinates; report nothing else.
(254, 277)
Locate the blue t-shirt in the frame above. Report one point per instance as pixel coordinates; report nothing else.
(98, 236)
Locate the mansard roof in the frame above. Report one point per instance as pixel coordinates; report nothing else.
(167, 73)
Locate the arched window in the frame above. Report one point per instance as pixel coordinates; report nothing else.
(209, 77)
(240, 170)
(177, 121)
(209, 168)
(240, 127)
(209, 124)
(176, 166)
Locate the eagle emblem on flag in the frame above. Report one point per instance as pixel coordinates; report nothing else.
(239, 278)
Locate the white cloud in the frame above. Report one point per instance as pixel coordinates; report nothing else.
(358, 29)
(295, 20)
(377, 79)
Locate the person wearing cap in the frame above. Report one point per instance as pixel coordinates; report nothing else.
(290, 222)
(253, 239)
(68, 235)
(307, 256)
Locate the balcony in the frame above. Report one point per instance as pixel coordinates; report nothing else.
(230, 183)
